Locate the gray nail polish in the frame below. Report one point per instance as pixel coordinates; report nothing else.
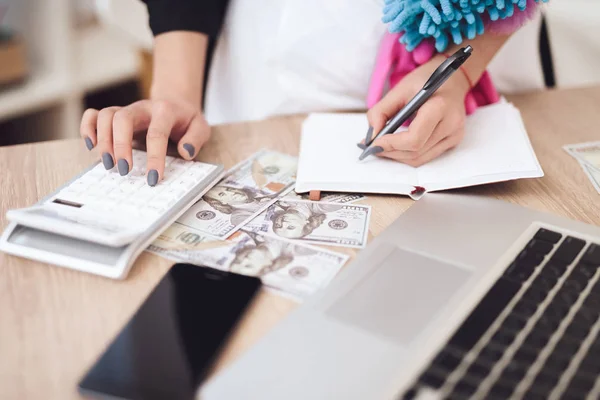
(361, 146)
(190, 149)
(123, 167)
(370, 151)
(369, 134)
(88, 143)
(152, 177)
(108, 161)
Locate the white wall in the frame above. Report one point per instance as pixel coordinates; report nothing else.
(574, 30)
(66, 62)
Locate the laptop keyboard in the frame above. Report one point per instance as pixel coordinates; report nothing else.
(534, 335)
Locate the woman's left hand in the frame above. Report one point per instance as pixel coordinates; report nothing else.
(438, 125)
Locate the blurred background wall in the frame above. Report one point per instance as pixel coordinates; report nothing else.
(57, 58)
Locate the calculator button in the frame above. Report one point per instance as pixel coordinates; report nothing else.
(128, 201)
(136, 201)
(115, 195)
(104, 206)
(137, 173)
(147, 213)
(105, 188)
(203, 168)
(131, 185)
(160, 201)
(79, 186)
(111, 180)
(156, 209)
(145, 195)
(92, 201)
(95, 191)
(87, 180)
(174, 170)
(184, 184)
(97, 171)
(111, 202)
(177, 161)
(127, 209)
(83, 198)
(193, 175)
(138, 157)
(111, 177)
(174, 192)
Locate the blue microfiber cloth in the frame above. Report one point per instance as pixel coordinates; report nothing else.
(445, 20)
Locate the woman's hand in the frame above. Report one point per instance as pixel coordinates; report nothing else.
(438, 125)
(174, 111)
(112, 130)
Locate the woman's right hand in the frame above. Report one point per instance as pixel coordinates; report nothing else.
(111, 130)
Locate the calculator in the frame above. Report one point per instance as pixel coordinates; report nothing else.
(101, 221)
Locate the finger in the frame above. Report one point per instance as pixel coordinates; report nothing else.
(126, 121)
(385, 109)
(105, 135)
(157, 140)
(87, 129)
(420, 130)
(444, 129)
(437, 150)
(194, 138)
(448, 126)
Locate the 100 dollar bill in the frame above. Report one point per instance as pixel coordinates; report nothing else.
(290, 268)
(256, 223)
(593, 175)
(323, 223)
(247, 190)
(588, 153)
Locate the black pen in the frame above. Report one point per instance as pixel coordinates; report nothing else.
(437, 79)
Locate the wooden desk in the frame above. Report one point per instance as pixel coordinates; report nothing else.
(54, 322)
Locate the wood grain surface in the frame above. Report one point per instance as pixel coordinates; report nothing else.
(54, 322)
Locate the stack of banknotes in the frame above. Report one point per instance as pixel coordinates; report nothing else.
(253, 223)
(588, 156)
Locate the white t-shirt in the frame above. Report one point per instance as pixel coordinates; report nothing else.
(279, 57)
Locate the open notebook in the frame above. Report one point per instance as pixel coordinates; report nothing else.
(495, 148)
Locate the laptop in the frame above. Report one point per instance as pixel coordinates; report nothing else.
(460, 297)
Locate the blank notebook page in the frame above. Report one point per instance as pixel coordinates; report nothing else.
(329, 158)
(495, 148)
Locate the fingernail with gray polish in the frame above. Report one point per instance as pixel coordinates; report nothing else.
(361, 146)
(370, 151)
(190, 149)
(123, 167)
(376, 150)
(88, 143)
(152, 177)
(108, 161)
(369, 134)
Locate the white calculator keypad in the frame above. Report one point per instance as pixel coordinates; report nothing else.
(108, 200)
